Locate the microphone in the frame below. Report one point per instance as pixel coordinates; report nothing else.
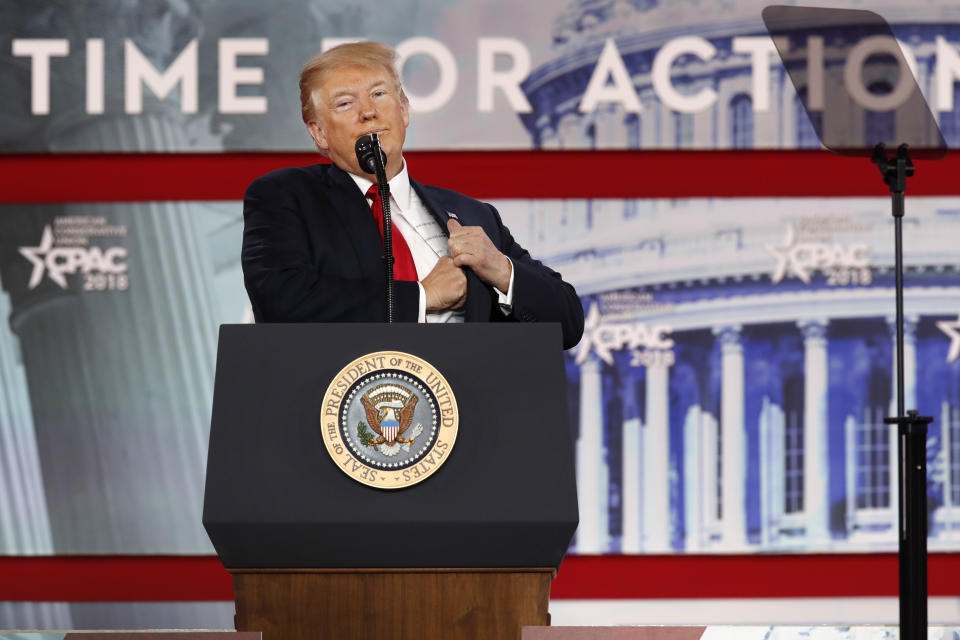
(372, 160)
(368, 150)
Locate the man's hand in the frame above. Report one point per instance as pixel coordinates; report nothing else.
(470, 247)
(445, 286)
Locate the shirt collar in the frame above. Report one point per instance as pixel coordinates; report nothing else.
(399, 186)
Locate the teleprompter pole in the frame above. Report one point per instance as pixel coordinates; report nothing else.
(911, 432)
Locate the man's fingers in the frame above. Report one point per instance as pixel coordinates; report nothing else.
(468, 239)
(464, 259)
(453, 226)
(445, 286)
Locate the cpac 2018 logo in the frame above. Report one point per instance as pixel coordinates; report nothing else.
(102, 268)
(842, 264)
(651, 346)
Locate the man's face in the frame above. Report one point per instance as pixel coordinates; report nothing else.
(355, 101)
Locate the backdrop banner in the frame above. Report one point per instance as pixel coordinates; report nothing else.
(728, 394)
(167, 75)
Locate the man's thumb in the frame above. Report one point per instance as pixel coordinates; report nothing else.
(452, 225)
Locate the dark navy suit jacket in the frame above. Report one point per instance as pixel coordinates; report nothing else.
(312, 253)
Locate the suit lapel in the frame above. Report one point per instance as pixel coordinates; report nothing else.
(351, 210)
(477, 307)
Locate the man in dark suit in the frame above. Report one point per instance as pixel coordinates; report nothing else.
(312, 250)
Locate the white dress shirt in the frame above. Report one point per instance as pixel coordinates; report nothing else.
(426, 239)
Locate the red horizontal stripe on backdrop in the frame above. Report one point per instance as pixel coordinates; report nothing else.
(725, 576)
(113, 578)
(35, 178)
(202, 578)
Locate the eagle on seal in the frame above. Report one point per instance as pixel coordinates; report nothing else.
(390, 423)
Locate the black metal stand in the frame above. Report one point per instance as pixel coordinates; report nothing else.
(911, 433)
(384, 188)
(371, 159)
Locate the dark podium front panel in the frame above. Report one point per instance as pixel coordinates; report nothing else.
(506, 496)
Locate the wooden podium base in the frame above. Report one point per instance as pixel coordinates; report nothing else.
(387, 604)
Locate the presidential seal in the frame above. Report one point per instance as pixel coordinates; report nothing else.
(389, 419)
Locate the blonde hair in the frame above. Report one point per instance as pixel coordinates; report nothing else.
(369, 55)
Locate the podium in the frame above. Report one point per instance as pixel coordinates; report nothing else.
(467, 552)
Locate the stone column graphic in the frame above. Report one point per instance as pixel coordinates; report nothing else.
(693, 453)
(632, 488)
(816, 464)
(656, 462)
(24, 524)
(733, 441)
(592, 472)
(772, 471)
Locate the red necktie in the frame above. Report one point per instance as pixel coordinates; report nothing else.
(403, 266)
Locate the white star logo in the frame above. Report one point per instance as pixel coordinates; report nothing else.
(36, 257)
(952, 329)
(785, 260)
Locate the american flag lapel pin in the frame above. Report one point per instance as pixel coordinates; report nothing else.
(453, 215)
